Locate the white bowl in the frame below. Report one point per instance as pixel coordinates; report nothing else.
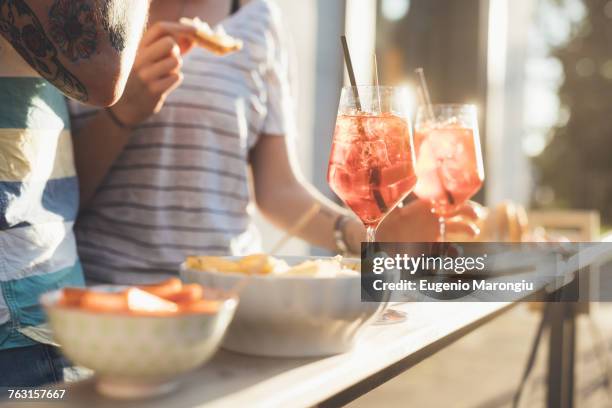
(292, 316)
(137, 356)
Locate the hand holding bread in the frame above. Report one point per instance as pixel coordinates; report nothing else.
(216, 41)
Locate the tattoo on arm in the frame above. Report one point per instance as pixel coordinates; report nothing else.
(74, 30)
(20, 25)
(72, 26)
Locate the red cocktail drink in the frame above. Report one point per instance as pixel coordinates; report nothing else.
(448, 167)
(371, 167)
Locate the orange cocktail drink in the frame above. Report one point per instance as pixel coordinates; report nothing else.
(448, 157)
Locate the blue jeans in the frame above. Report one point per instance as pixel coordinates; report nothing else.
(30, 366)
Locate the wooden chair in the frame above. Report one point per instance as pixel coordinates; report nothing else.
(577, 225)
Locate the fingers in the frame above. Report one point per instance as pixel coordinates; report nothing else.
(161, 49)
(166, 84)
(466, 211)
(470, 210)
(160, 69)
(463, 222)
(183, 34)
(462, 227)
(417, 208)
(186, 45)
(156, 72)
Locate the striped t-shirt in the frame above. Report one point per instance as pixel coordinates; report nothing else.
(181, 186)
(38, 197)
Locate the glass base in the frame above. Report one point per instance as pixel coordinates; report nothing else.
(391, 316)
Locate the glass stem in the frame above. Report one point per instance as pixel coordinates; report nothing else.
(371, 234)
(442, 223)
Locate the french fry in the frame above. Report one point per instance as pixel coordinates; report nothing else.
(192, 262)
(212, 263)
(257, 264)
(307, 268)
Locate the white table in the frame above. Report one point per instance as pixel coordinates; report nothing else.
(234, 380)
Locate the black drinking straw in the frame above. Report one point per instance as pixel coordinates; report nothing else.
(351, 73)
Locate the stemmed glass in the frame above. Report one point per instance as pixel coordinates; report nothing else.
(449, 159)
(371, 166)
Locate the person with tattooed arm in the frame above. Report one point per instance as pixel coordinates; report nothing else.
(83, 49)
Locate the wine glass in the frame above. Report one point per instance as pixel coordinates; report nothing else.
(371, 166)
(448, 158)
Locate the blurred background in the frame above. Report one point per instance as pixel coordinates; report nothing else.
(540, 73)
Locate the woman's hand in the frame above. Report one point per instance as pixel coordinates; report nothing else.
(416, 223)
(156, 71)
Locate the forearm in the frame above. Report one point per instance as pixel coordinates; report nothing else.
(285, 206)
(156, 73)
(97, 144)
(85, 48)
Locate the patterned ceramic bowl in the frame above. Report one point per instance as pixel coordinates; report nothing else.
(137, 356)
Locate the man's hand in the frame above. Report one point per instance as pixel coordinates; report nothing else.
(416, 223)
(85, 48)
(156, 72)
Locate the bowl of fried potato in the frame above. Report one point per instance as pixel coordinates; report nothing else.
(289, 306)
(139, 340)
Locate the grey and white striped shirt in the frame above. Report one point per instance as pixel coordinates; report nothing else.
(181, 186)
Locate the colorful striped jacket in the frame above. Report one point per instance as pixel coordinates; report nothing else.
(38, 198)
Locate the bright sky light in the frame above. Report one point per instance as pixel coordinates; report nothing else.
(544, 74)
(394, 10)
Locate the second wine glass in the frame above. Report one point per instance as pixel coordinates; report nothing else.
(449, 159)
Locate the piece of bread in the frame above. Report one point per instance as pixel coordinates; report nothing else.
(506, 222)
(216, 41)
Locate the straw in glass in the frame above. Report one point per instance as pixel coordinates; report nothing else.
(376, 83)
(425, 92)
(351, 73)
(425, 96)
